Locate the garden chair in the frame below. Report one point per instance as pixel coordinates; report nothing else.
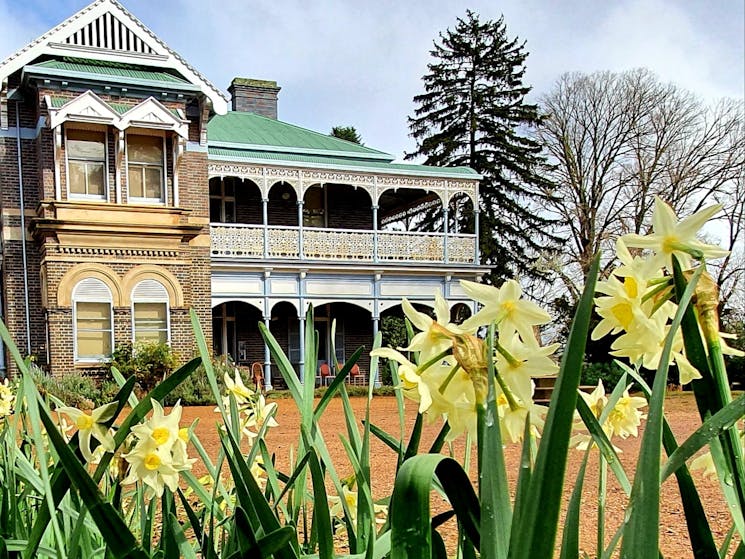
(257, 373)
(325, 372)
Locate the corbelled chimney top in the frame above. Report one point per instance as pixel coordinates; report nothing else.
(254, 96)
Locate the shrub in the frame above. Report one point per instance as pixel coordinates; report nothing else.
(74, 389)
(608, 372)
(149, 362)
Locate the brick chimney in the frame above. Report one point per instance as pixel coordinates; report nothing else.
(254, 96)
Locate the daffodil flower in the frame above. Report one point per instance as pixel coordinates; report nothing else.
(512, 416)
(518, 362)
(625, 417)
(235, 385)
(672, 237)
(430, 341)
(505, 306)
(153, 466)
(162, 428)
(160, 450)
(92, 425)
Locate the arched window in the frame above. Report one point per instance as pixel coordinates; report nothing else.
(150, 316)
(92, 320)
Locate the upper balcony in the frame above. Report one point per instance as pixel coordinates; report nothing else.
(298, 217)
(340, 245)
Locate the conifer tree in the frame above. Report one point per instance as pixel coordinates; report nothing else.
(348, 133)
(473, 112)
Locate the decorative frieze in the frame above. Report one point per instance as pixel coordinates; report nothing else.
(375, 183)
(117, 252)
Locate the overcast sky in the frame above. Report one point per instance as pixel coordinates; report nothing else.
(346, 62)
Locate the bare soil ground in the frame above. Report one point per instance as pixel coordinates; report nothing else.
(680, 411)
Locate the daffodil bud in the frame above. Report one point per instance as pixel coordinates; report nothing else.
(706, 300)
(470, 353)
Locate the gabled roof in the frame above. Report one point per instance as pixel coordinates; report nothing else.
(115, 70)
(105, 30)
(243, 130)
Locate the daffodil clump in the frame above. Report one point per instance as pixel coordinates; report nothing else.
(349, 497)
(448, 376)
(634, 302)
(622, 420)
(159, 451)
(253, 411)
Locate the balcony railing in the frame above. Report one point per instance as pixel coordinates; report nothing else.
(277, 242)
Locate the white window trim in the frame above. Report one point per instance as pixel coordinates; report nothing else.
(163, 201)
(92, 197)
(78, 299)
(163, 299)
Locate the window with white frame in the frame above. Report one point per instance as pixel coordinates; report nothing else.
(92, 320)
(150, 316)
(146, 168)
(222, 201)
(86, 164)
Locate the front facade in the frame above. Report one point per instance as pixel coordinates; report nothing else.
(130, 194)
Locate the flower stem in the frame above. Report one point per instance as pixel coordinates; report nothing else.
(450, 376)
(511, 359)
(439, 357)
(602, 488)
(507, 391)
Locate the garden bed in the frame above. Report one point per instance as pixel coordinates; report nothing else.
(680, 410)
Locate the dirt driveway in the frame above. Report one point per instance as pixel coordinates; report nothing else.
(680, 410)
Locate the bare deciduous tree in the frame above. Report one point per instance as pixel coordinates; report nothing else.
(618, 139)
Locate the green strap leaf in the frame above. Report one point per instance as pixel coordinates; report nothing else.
(641, 535)
(411, 535)
(114, 530)
(539, 520)
(570, 537)
(712, 427)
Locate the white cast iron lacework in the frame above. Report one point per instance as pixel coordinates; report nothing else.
(247, 241)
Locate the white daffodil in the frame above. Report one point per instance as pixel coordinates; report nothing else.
(153, 466)
(512, 415)
(92, 425)
(162, 428)
(518, 362)
(411, 381)
(241, 392)
(260, 413)
(160, 450)
(430, 341)
(505, 306)
(672, 237)
(625, 417)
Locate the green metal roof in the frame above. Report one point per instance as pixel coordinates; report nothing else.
(112, 69)
(342, 163)
(252, 131)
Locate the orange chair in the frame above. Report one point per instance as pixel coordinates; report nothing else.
(257, 372)
(325, 374)
(356, 377)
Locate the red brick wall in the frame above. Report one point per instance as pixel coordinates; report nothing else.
(189, 264)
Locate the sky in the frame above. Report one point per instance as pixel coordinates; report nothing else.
(347, 62)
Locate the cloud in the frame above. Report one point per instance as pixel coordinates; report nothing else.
(360, 64)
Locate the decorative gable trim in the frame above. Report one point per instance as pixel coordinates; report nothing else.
(151, 113)
(105, 30)
(90, 108)
(87, 107)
